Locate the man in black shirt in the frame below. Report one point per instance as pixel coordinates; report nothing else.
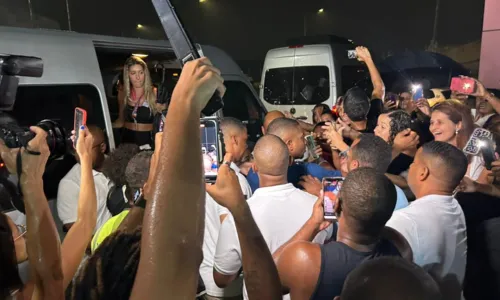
(312, 271)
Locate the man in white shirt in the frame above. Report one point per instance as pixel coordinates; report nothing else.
(235, 142)
(69, 186)
(434, 225)
(279, 209)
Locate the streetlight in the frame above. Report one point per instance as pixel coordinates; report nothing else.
(203, 1)
(319, 12)
(139, 26)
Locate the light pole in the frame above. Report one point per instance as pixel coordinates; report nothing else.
(319, 12)
(434, 43)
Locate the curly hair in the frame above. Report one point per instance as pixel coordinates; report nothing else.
(400, 120)
(9, 276)
(137, 172)
(110, 272)
(115, 165)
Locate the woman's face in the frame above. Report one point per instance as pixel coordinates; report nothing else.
(317, 114)
(327, 118)
(383, 129)
(136, 76)
(442, 128)
(19, 241)
(483, 107)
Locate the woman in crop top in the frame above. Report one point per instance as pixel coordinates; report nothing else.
(137, 104)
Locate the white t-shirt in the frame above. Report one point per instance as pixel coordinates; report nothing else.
(434, 226)
(279, 212)
(212, 226)
(69, 191)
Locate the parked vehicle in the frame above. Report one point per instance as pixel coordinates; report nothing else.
(309, 71)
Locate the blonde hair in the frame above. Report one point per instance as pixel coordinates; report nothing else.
(149, 93)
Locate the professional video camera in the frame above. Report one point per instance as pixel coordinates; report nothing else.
(15, 136)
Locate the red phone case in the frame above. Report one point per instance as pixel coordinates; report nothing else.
(463, 85)
(76, 126)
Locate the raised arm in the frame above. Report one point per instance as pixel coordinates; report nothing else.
(377, 82)
(42, 238)
(315, 224)
(80, 234)
(261, 277)
(171, 240)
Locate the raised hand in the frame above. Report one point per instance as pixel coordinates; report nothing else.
(406, 140)
(317, 217)
(34, 157)
(84, 144)
(311, 184)
(363, 54)
(226, 191)
(199, 81)
(424, 107)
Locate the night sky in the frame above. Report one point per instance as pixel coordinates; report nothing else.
(246, 29)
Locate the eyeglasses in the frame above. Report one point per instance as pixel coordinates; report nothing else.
(22, 229)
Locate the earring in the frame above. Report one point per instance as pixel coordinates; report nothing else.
(456, 131)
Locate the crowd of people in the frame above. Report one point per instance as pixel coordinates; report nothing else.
(143, 224)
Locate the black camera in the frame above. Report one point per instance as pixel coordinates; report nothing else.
(15, 136)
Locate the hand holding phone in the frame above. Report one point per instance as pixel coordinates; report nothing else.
(462, 85)
(418, 93)
(352, 54)
(331, 189)
(80, 120)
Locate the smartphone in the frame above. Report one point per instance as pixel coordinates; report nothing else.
(210, 147)
(488, 152)
(418, 94)
(311, 146)
(352, 54)
(331, 189)
(479, 140)
(80, 120)
(464, 86)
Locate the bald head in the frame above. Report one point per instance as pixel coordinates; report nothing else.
(271, 116)
(97, 134)
(401, 280)
(282, 127)
(271, 156)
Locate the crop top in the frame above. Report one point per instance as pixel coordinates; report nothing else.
(141, 115)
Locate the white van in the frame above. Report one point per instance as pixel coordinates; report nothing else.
(79, 71)
(308, 72)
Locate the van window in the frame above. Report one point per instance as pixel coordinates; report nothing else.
(297, 85)
(240, 103)
(57, 102)
(351, 76)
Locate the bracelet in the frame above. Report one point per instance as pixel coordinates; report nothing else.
(141, 203)
(344, 153)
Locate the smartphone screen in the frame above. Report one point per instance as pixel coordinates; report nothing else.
(311, 146)
(352, 54)
(210, 147)
(331, 188)
(80, 120)
(488, 152)
(418, 94)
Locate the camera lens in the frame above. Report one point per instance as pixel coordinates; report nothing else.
(56, 138)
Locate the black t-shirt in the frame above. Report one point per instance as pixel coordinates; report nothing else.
(376, 109)
(400, 164)
(338, 260)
